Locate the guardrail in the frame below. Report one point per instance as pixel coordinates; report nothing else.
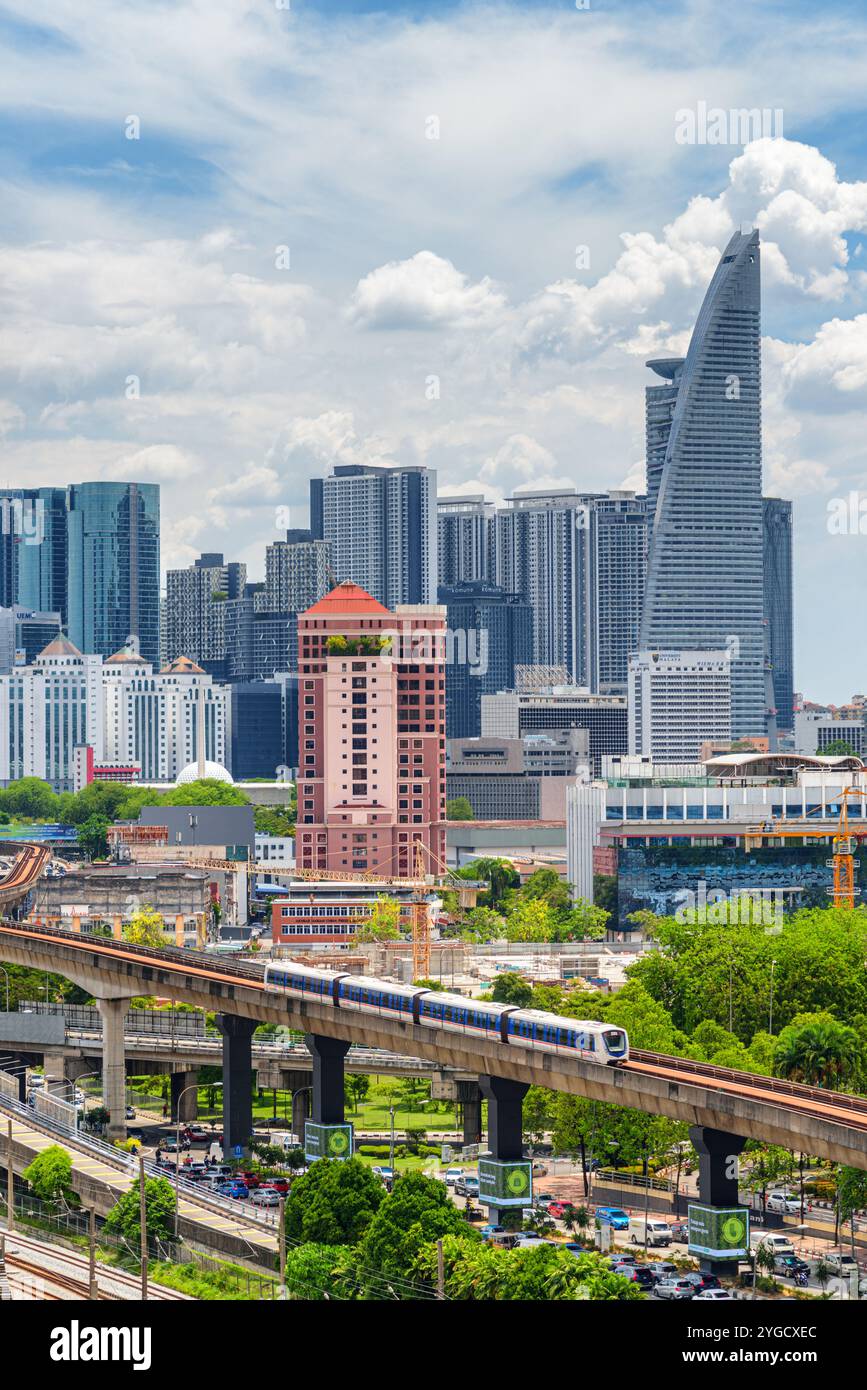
(128, 1163)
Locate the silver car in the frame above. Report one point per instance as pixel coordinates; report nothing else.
(675, 1289)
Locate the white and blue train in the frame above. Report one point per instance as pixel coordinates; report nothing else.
(589, 1039)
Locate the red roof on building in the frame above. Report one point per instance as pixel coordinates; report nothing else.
(346, 598)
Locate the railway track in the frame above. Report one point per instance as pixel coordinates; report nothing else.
(129, 1284)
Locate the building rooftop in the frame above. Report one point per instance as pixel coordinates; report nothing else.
(347, 597)
(181, 666)
(60, 646)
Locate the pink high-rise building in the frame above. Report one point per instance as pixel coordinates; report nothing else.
(371, 735)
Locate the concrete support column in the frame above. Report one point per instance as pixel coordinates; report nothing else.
(470, 1099)
(718, 1153)
(117, 928)
(237, 1080)
(505, 1127)
(300, 1112)
(188, 1099)
(113, 1013)
(328, 1095)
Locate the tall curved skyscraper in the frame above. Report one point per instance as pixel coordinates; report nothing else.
(704, 464)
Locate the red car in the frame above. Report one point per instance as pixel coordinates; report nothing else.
(560, 1210)
(249, 1179)
(280, 1185)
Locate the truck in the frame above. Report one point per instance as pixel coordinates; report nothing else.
(658, 1231)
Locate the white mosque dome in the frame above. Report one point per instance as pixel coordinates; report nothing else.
(214, 771)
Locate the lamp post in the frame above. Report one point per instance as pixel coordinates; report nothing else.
(86, 1076)
(391, 1146)
(194, 1086)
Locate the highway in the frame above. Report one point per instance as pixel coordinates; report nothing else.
(826, 1124)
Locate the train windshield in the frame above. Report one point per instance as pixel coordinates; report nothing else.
(615, 1040)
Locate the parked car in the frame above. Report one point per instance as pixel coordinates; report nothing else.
(540, 1169)
(249, 1179)
(675, 1289)
(783, 1201)
(841, 1262)
(715, 1296)
(649, 1231)
(560, 1210)
(197, 1134)
(636, 1274)
(491, 1230)
(467, 1186)
(621, 1260)
(171, 1146)
(702, 1280)
(265, 1197)
(236, 1190)
(680, 1231)
(279, 1185)
(543, 1200)
(662, 1269)
(615, 1217)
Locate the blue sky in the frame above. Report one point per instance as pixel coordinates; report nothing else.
(432, 170)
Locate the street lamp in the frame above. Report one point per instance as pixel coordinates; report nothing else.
(86, 1076)
(194, 1086)
(391, 1146)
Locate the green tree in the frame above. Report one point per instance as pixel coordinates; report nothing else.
(316, 1272)
(512, 988)
(482, 924)
(499, 873)
(417, 1211)
(207, 791)
(93, 838)
(819, 1051)
(482, 1272)
(460, 808)
(50, 1173)
(333, 1203)
(383, 923)
(125, 1216)
(145, 928)
(532, 919)
(549, 886)
(357, 1088)
(582, 922)
(839, 748)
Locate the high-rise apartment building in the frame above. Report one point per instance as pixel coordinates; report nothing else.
(677, 701)
(615, 571)
(779, 604)
(195, 610)
(296, 572)
(705, 589)
(371, 734)
(490, 632)
(381, 526)
(113, 566)
(466, 530)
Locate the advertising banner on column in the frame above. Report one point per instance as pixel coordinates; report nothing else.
(327, 1141)
(720, 1233)
(505, 1184)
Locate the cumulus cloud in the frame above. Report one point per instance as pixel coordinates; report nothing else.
(423, 292)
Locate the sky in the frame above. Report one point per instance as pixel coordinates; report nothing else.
(244, 240)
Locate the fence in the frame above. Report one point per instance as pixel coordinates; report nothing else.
(83, 1018)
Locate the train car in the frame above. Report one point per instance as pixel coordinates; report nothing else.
(455, 1014)
(302, 981)
(594, 1041)
(378, 997)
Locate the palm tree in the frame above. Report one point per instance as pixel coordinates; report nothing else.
(824, 1053)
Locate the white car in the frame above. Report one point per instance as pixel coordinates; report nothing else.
(783, 1201)
(452, 1175)
(675, 1289)
(715, 1296)
(840, 1262)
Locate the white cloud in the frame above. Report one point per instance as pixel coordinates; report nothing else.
(423, 292)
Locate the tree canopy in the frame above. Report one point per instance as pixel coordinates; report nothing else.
(333, 1203)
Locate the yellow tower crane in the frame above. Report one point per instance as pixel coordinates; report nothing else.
(843, 844)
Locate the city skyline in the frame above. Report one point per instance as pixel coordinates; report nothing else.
(241, 323)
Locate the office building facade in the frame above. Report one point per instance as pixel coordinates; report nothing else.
(113, 566)
(512, 714)
(705, 589)
(490, 632)
(677, 702)
(779, 604)
(381, 526)
(371, 733)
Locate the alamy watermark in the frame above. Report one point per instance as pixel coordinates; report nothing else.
(739, 907)
(714, 125)
(23, 517)
(847, 516)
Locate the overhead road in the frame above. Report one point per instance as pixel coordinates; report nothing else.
(30, 863)
(823, 1123)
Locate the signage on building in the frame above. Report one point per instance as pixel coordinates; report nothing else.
(722, 1233)
(327, 1141)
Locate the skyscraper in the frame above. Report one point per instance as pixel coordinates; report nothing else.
(381, 526)
(615, 572)
(371, 734)
(540, 553)
(113, 571)
(33, 558)
(777, 517)
(195, 610)
(490, 632)
(296, 572)
(705, 587)
(466, 528)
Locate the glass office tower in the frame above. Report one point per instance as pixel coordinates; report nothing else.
(113, 543)
(705, 573)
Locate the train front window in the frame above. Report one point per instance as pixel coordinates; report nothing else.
(615, 1040)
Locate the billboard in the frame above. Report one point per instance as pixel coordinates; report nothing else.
(722, 1233)
(505, 1184)
(327, 1141)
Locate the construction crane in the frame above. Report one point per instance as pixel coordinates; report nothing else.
(843, 862)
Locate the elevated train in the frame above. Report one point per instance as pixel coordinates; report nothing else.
(452, 1013)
